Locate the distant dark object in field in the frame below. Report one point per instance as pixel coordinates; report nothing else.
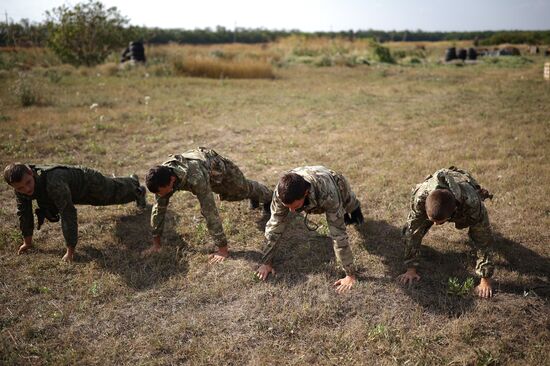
(472, 54)
(547, 52)
(509, 51)
(534, 50)
(134, 52)
(462, 54)
(450, 54)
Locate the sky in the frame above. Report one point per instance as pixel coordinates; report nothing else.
(311, 16)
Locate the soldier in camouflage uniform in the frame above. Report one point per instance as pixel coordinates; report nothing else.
(202, 171)
(57, 188)
(451, 195)
(314, 189)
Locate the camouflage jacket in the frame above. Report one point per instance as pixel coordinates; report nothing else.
(470, 212)
(57, 189)
(324, 197)
(194, 170)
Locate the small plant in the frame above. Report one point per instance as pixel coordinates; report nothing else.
(380, 331)
(455, 288)
(94, 290)
(27, 90)
(485, 358)
(53, 76)
(202, 231)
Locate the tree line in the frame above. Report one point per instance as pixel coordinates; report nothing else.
(28, 34)
(86, 33)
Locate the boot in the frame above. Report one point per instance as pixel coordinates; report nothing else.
(356, 217)
(253, 204)
(267, 208)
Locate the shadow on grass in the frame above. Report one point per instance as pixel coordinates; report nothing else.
(134, 235)
(302, 252)
(384, 240)
(518, 258)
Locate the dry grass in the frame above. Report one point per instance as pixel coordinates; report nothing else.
(384, 127)
(219, 69)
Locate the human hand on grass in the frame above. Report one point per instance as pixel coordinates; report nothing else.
(484, 289)
(27, 244)
(69, 255)
(220, 255)
(408, 277)
(155, 248)
(264, 271)
(344, 284)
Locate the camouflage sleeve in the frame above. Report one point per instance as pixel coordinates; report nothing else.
(210, 213)
(342, 250)
(24, 214)
(482, 238)
(414, 230)
(60, 194)
(274, 228)
(158, 213)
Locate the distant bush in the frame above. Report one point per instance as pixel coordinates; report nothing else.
(323, 61)
(381, 53)
(87, 33)
(212, 68)
(508, 61)
(27, 90)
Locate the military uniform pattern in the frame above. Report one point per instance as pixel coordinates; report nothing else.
(329, 193)
(59, 188)
(203, 172)
(471, 213)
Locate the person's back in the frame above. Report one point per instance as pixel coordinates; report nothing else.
(449, 195)
(203, 172)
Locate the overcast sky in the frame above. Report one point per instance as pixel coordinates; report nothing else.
(321, 15)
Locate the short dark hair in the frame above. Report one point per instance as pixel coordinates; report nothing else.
(158, 176)
(15, 172)
(440, 204)
(292, 187)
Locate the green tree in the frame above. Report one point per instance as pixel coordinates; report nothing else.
(86, 33)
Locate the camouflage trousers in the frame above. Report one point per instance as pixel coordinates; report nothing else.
(103, 190)
(481, 238)
(349, 200)
(231, 184)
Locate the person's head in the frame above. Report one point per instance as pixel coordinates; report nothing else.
(293, 189)
(440, 206)
(160, 180)
(20, 177)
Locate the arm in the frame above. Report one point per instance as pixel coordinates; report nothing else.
(158, 214)
(482, 238)
(24, 214)
(342, 250)
(209, 211)
(414, 231)
(274, 228)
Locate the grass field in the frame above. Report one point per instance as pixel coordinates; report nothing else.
(385, 127)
